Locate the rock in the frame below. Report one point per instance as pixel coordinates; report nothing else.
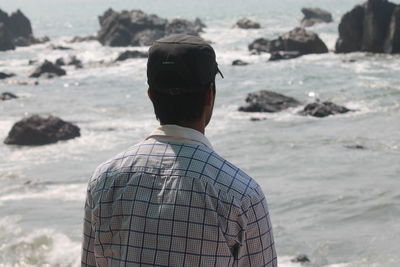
(131, 54)
(7, 96)
(136, 28)
(358, 147)
(281, 55)
(80, 39)
(74, 61)
(371, 27)
(245, 23)
(239, 62)
(60, 62)
(267, 101)
(38, 130)
(315, 15)
(299, 39)
(6, 75)
(59, 47)
(323, 109)
(6, 41)
(301, 259)
(48, 69)
(258, 119)
(16, 30)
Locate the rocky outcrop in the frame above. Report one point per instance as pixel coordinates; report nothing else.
(16, 30)
(299, 39)
(267, 101)
(315, 15)
(247, 24)
(371, 27)
(49, 70)
(136, 28)
(239, 62)
(131, 54)
(302, 258)
(7, 96)
(6, 75)
(282, 55)
(38, 130)
(323, 109)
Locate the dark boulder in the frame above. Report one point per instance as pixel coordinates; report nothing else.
(19, 25)
(136, 28)
(282, 55)
(323, 109)
(59, 47)
(131, 54)
(302, 258)
(6, 41)
(239, 62)
(7, 96)
(315, 15)
(74, 61)
(6, 75)
(60, 62)
(371, 27)
(38, 130)
(299, 39)
(48, 68)
(245, 23)
(267, 101)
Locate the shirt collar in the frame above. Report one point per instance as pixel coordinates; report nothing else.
(171, 131)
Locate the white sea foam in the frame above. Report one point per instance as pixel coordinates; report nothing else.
(64, 192)
(40, 247)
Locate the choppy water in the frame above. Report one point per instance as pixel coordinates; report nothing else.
(338, 205)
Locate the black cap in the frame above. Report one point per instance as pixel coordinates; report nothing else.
(180, 64)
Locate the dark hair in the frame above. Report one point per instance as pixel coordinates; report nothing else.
(175, 109)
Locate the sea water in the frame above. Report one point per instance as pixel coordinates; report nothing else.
(335, 203)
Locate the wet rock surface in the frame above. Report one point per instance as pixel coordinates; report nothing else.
(299, 39)
(239, 62)
(4, 75)
(136, 28)
(48, 69)
(246, 23)
(37, 130)
(371, 27)
(315, 15)
(323, 109)
(302, 258)
(267, 101)
(131, 54)
(7, 96)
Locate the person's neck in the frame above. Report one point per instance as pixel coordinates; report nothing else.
(197, 125)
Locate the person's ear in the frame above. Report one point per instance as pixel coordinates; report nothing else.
(210, 95)
(149, 94)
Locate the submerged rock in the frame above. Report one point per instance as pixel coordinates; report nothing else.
(239, 62)
(323, 109)
(281, 55)
(131, 54)
(247, 24)
(7, 96)
(48, 68)
(302, 258)
(81, 39)
(59, 47)
(315, 15)
(371, 27)
(267, 101)
(299, 39)
(38, 130)
(136, 28)
(6, 75)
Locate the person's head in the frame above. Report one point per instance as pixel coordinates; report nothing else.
(181, 72)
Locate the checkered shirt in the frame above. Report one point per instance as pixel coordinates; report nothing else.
(172, 201)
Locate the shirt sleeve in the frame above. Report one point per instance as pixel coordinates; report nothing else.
(88, 258)
(258, 247)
